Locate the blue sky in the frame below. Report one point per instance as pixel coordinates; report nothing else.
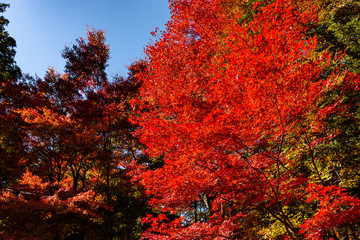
(42, 28)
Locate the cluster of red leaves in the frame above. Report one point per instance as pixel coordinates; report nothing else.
(337, 208)
(46, 203)
(32, 190)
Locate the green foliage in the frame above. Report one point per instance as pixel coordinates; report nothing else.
(11, 93)
(8, 67)
(338, 32)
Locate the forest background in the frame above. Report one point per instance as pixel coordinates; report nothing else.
(240, 122)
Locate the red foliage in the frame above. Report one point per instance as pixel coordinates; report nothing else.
(337, 208)
(37, 209)
(220, 101)
(77, 133)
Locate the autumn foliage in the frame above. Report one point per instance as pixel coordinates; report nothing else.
(228, 106)
(242, 122)
(76, 140)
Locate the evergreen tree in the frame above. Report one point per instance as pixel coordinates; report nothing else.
(8, 67)
(10, 94)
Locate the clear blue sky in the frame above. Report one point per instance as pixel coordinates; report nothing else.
(42, 28)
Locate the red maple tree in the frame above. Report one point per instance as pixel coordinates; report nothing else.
(223, 103)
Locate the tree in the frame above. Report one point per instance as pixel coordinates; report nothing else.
(329, 145)
(8, 67)
(11, 94)
(78, 144)
(225, 102)
(337, 31)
